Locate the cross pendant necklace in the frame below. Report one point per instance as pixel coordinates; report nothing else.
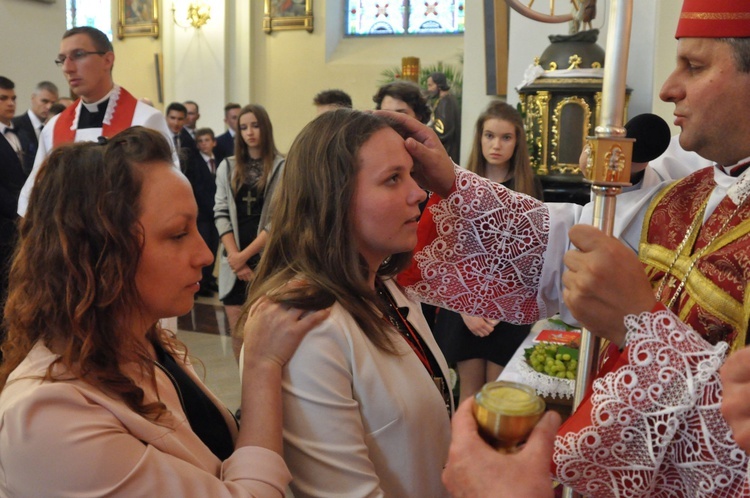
(249, 199)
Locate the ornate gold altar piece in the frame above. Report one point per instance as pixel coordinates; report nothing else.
(562, 106)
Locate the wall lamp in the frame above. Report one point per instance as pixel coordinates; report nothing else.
(197, 14)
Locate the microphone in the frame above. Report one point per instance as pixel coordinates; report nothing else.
(652, 136)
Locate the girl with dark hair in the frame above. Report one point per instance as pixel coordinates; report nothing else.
(482, 347)
(244, 187)
(97, 399)
(366, 407)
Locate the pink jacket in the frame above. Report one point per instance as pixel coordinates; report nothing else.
(68, 438)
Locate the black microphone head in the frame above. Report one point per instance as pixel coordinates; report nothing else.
(652, 135)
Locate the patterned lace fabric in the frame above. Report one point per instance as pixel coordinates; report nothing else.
(114, 97)
(488, 255)
(652, 427)
(655, 428)
(545, 385)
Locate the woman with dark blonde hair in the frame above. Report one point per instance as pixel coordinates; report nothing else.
(481, 347)
(244, 187)
(97, 399)
(366, 407)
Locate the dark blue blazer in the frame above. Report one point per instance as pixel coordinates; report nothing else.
(204, 186)
(12, 178)
(29, 141)
(224, 147)
(188, 142)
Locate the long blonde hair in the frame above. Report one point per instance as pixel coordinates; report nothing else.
(520, 165)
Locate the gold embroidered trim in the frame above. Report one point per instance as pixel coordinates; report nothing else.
(716, 16)
(712, 299)
(701, 290)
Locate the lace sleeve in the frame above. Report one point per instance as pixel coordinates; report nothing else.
(487, 255)
(652, 427)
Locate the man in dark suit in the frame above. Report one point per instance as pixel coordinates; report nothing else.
(29, 125)
(183, 142)
(225, 141)
(12, 178)
(201, 172)
(193, 115)
(187, 140)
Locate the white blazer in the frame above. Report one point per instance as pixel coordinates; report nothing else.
(359, 421)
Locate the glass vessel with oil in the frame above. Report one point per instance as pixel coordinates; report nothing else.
(506, 412)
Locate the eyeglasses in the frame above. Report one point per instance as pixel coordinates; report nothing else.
(75, 56)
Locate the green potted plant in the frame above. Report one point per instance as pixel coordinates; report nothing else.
(453, 73)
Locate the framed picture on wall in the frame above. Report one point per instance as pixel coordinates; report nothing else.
(282, 15)
(137, 18)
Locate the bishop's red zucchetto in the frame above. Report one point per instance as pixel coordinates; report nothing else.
(714, 19)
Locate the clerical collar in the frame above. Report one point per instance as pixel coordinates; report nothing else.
(92, 119)
(94, 106)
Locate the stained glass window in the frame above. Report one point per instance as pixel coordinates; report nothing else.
(94, 13)
(404, 17)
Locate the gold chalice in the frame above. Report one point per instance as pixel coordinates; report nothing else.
(506, 412)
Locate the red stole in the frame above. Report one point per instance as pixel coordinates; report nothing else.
(716, 297)
(122, 119)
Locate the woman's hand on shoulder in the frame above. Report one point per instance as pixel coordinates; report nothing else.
(273, 331)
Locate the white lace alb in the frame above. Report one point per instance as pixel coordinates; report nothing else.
(656, 429)
(488, 255)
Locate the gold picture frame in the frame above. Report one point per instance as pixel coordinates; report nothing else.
(137, 18)
(282, 15)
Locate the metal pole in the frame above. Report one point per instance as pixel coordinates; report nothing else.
(613, 171)
(612, 115)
